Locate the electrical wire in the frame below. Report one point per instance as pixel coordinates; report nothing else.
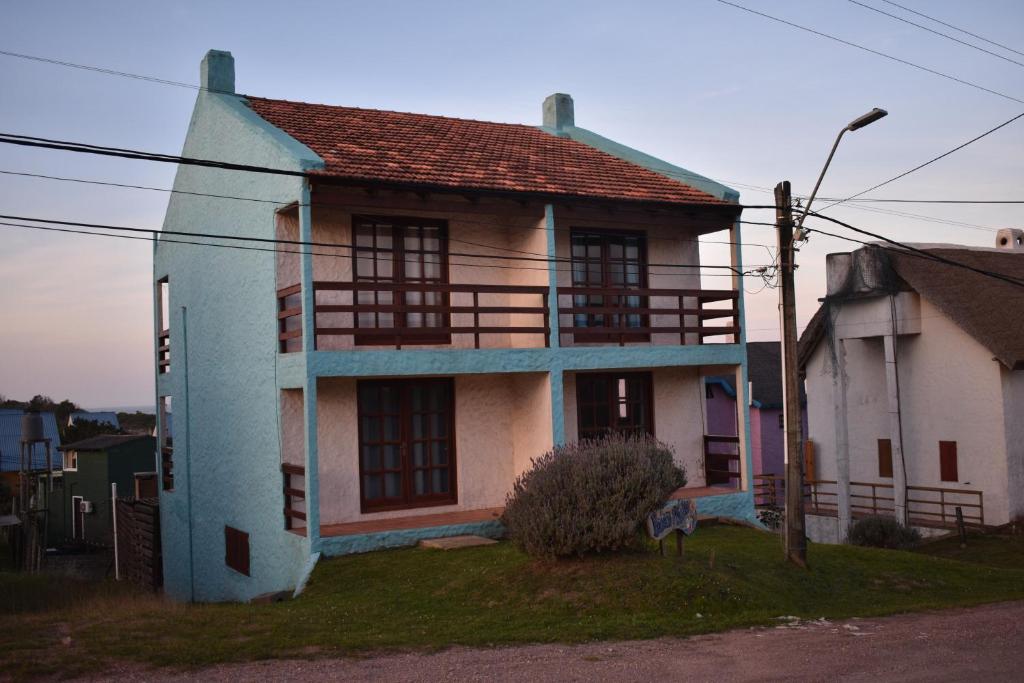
(331, 245)
(49, 228)
(872, 51)
(112, 72)
(927, 163)
(914, 250)
(955, 28)
(938, 33)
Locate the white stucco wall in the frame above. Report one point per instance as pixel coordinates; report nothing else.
(501, 421)
(950, 390)
(1013, 419)
(678, 415)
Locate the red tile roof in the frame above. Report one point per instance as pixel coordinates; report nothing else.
(437, 151)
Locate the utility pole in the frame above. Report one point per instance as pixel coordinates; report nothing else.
(796, 540)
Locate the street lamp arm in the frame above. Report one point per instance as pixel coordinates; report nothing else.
(807, 207)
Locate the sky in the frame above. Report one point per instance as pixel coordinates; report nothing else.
(703, 85)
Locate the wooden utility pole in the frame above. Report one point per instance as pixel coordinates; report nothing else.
(796, 539)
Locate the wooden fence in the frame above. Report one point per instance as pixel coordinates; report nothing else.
(138, 542)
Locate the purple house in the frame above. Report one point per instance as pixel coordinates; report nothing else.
(766, 427)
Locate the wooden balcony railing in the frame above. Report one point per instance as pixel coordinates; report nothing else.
(720, 452)
(926, 505)
(463, 310)
(656, 311)
(293, 494)
(163, 352)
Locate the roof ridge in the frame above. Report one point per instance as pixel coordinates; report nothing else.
(348, 107)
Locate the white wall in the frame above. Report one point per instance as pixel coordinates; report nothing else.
(501, 421)
(678, 416)
(950, 390)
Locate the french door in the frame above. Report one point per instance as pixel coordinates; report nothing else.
(614, 402)
(406, 443)
(411, 253)
(612, 263)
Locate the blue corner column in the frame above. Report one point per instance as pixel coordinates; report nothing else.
(309, 397)
(555, 372)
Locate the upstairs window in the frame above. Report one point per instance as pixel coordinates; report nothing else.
(410, 255)
(614, 402)
(609, 264)
(163, 335)
(165, 443)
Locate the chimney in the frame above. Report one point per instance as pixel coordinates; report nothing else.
(558, 111)
(217, 72)
(1010, 238)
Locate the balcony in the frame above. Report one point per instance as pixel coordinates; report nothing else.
(352, 315)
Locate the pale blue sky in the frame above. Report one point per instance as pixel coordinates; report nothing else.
(716, 90)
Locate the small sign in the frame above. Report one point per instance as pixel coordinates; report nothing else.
(677, 515)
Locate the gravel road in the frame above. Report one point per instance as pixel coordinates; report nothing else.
(981, 643)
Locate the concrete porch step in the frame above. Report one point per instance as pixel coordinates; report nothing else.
(455, 542)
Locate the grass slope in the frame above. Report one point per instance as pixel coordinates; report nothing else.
(491, 595)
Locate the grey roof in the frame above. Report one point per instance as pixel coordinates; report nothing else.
(10, 441)
(103, 442)
(104, 417)
(989, 310)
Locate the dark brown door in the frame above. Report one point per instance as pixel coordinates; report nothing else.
(77, 518)
(406, 443)
(411, 254)
(613, 262)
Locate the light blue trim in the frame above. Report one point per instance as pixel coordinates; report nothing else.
(738, 506)
(557, 379)
(333, 546)
(553, 322)
(737, 257)
(432, 362)
(309, 390)
(647, 161)
(307, 571)
(237, 107)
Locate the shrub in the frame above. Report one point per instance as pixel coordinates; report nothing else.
(883, 532)
(591, 496)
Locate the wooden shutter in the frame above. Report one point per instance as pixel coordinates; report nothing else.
(885, 458)
(810, 473)
(947, 461)
(236, 550)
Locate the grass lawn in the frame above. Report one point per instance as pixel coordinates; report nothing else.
(491, 595)
(992, 550)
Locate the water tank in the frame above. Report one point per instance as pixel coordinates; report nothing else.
(32, 427)
(1010, 238)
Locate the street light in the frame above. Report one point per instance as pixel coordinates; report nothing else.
(856, 124)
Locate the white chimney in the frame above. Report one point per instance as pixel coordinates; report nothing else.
(1010, 238)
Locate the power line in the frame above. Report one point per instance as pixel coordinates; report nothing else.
(113, 72)
(48, 228)
(920, 217)
(938, 33)
(955, 28)
(120, 152)
(917, 252)
(330, 245)
(930, 161)
(872, 51)
(872, 200)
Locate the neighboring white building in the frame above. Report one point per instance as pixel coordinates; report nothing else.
(914, 371)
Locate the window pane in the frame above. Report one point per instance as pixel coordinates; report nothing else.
(421, 482)
(371, 457)
(371, 429)
(440, 480)
(419, 454)
(392, 485)
(372, 486)
(439, 453)
(392, 457)
(391, 428)
(419, 426)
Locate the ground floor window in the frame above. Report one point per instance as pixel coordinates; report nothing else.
(619, 402)
(406, 443)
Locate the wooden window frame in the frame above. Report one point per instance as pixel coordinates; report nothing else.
(612, 401)
(606, 236)
(236, 550)
(885, 458)
(409, 499)
(398, 276)
(948, 469)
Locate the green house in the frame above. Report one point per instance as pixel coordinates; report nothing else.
(80, 505)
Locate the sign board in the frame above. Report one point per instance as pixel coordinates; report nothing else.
(677, 515)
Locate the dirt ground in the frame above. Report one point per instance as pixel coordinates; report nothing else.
(982, 643)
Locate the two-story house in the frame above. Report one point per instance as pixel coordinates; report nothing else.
(435, 302)
(915, 387)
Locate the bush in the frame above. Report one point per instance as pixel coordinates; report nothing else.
(591, 496)
(883, 532)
